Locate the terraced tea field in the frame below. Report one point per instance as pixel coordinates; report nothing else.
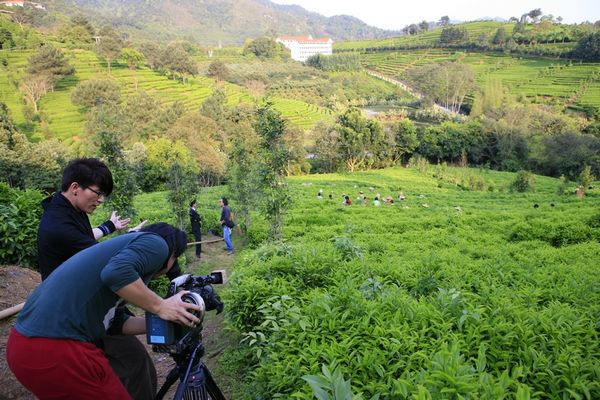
(539, 79)
(66, 121)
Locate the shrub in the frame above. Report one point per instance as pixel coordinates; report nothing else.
(524, 182)
(20, 214)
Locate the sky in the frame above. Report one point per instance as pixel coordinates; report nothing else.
(395, 14)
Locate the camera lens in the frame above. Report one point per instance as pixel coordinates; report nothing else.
(194, 298)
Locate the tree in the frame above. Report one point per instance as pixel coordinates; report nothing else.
(326, 148)
(201, 135)
(82, 21)
(500, 36)
(534, 14)
(109, 45)
(162, 154)
(586, 178)
(264, 47)
(182, 185)
(107, 137)
(424, 26)
(274, 158)
(215, 106)
(6, 39)
(218, 70)
(51, 62)
(134, 59)
(177, 60)
(444, 21)
(447, 83)
(243, 169)
(34, 87)
(95, 92)
(588, 47)
(413, 29)
(405, 140)
(360, 139)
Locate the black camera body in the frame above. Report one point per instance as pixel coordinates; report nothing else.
(165, 334)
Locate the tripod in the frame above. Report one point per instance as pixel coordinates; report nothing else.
(196, 381)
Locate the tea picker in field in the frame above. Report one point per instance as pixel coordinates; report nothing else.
(54, 348)
(196, 226)
(65, 230)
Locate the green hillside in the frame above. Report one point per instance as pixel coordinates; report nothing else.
(66, 121)
(428, 38)
(449, 293)
(542, 80)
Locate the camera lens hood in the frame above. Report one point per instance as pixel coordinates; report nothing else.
(195, 298)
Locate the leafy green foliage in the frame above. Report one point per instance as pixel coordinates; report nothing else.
(335, 62)
(408, 305)
(265, 47)
(20, 214)
(95, 92)
(273, 161)
(524, 182)
(51, 62)
(588, 47)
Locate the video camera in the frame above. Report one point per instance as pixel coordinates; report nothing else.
(164, 335)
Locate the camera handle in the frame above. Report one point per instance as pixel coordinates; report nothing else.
(197, 384)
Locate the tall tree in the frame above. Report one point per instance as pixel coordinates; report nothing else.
(134, 60)
(34, 87)
(109, 45)
(360, 139)
(51, 62)
(447, 83)
(274, 157)
(182, 185)
(218, 70)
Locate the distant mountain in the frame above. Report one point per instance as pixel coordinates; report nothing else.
(215, 21)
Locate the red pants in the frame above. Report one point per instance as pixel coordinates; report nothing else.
(62, 369)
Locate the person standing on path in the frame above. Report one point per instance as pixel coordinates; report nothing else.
(226, 223)
(195, 221)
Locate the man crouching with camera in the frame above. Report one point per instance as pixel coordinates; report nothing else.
(52, 349)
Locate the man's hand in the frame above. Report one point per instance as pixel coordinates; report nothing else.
(138, 227)
(119, 223)
(174, 309)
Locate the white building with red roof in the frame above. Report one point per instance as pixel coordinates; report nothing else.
(303, 47)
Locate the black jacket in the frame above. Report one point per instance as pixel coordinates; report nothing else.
(63, 231)
(194, 220)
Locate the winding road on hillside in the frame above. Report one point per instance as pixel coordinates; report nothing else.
(406, 88)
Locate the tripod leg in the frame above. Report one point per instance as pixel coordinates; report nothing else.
(211, 386)
(169, 381)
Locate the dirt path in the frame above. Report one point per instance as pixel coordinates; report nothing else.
(16, 283)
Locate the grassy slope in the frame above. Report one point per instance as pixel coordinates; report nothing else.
(66, 121)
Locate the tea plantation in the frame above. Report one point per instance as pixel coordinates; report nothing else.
(462, 290)
(542, 80)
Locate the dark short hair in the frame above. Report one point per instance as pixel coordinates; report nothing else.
(87, 172)
(225, 201)
(176, 238)
(193, 202)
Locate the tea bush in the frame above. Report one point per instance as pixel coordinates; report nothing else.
(20, 213)
(480, 294)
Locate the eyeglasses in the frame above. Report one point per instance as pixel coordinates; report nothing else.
(99, 194)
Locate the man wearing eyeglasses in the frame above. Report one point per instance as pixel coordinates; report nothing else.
(65, 230)
(65, 227)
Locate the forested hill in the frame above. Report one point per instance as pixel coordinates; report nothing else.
(213, 21)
